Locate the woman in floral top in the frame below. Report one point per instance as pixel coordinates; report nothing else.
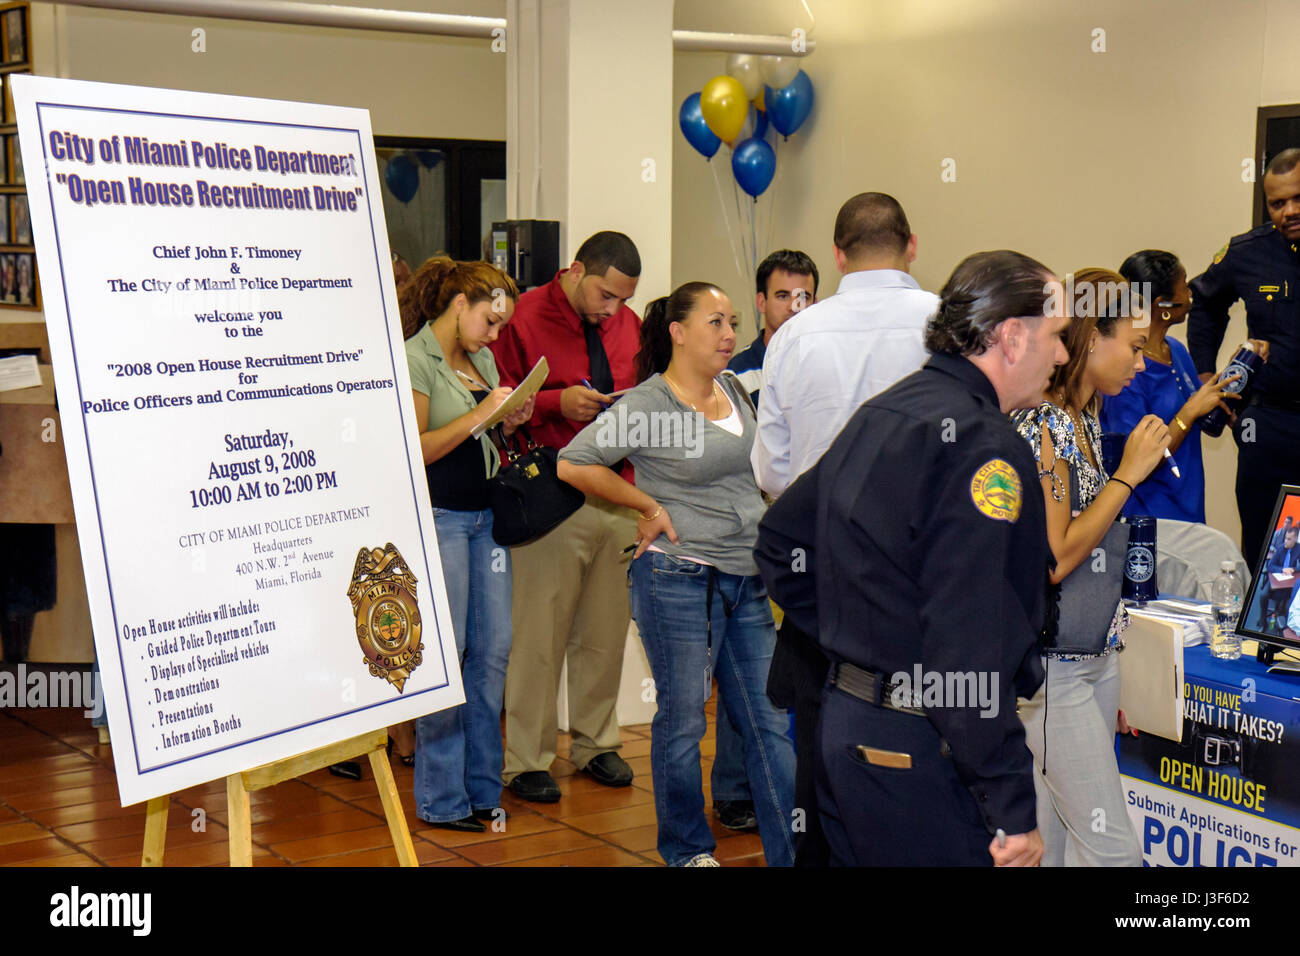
(1080, 694)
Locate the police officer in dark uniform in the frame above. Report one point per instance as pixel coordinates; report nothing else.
(914, 553)
(1261, 267)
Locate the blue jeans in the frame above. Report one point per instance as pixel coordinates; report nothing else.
(458, 752)
(727, 780)
(670, 606)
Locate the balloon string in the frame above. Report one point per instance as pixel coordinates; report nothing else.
(771, 208)
(731, 240)
(740, 227)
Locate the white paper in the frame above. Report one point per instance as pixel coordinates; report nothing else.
(518, 397)
(19, 371)
(219, 538)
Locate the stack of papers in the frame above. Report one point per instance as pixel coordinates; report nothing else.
(1195, 618)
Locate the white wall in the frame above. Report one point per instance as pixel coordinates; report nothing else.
(1074, 157)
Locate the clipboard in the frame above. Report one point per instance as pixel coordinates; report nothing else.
(525, 390)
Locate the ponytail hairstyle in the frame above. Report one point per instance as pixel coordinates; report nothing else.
(984, 290)
(429, 291)
(656, 341)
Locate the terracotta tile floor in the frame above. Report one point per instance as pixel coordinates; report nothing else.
(58, 807)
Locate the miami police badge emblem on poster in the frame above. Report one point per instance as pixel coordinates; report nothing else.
(382, 593)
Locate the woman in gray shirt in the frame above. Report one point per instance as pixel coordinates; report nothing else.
(697, 599)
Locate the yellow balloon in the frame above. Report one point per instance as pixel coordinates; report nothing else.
(724, 106)
(760, 101)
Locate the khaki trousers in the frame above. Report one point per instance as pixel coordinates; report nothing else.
(570, 603)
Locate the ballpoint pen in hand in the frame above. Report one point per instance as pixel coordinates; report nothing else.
(588, 384)
(1172, 466)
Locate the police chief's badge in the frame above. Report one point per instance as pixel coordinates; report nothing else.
(382, 593)
(995, 489)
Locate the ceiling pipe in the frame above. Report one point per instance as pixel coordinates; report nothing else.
(404, 21)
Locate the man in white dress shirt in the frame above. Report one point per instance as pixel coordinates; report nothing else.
(821, 365)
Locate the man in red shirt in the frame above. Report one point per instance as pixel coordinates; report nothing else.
(570, 587)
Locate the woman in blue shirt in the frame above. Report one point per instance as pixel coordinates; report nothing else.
(1169, 388)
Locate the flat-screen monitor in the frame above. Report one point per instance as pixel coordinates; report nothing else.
(1272, 607)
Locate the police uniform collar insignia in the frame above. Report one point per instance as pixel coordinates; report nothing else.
(1218, 256)
(382, 593)
(996, 491)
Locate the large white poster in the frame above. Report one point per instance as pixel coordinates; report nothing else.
(249, 489)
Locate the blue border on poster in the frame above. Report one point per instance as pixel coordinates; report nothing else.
(141, 772)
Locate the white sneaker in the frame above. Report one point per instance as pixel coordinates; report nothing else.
(702, 859)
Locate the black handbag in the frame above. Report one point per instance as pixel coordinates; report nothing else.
(527, 496)
(1088, 596)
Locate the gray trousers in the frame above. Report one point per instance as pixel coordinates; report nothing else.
(1070, 730)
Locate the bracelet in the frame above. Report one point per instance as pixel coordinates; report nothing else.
(1181, 424)
(1123, 482)
(651, 517)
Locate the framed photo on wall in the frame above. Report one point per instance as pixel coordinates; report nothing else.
(20, 220)
(8, 278)
(14, 27)
(9, 116)
(25, 279)
(15, 156)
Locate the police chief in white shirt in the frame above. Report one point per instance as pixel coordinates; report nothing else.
(823, 363)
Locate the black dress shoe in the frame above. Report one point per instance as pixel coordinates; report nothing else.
(537, 786)
(348, 768)
(736, 814)
(610, 769)
(467, 825)
(491, 816)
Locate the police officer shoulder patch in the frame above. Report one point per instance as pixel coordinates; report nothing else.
(996, 491)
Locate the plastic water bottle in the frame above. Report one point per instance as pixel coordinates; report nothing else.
(1227, 595)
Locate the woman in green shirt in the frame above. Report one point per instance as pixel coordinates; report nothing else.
(460, 308)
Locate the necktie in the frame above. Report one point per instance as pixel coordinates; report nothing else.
(601, 376)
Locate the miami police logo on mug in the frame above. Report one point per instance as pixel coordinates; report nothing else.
(1236, 368)
(1140, 564)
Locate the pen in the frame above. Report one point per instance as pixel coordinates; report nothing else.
(472, 381)
(588, 384)
(630, 547)
(1173, 467)
(1002, 838)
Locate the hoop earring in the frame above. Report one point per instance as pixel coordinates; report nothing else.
(1165, 316)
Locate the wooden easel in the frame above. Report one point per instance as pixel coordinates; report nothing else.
(240, 785)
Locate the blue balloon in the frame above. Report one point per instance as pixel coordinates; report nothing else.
(761, 123)
(429, 158)
(789, 106)
(694, 128)
(402, 177)
(754, 165)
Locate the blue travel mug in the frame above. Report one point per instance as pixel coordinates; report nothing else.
(1140, 562)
